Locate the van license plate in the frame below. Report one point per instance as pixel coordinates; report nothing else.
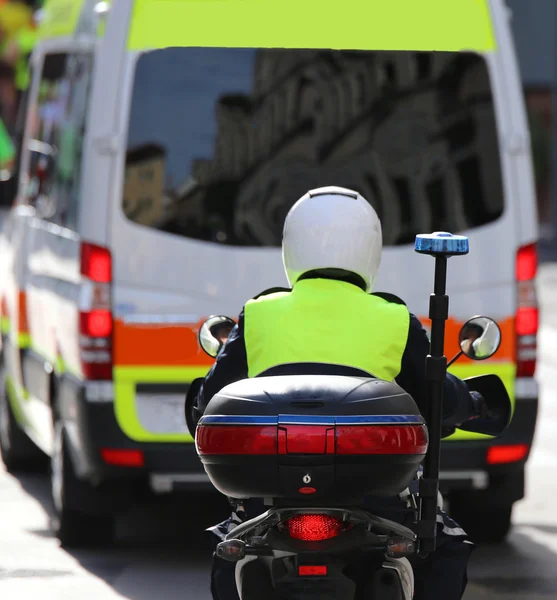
(161, 413)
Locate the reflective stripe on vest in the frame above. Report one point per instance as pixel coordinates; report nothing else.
(326, 321)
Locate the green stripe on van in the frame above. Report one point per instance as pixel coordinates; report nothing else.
(444, 25)
(125, 381)
(505, 370)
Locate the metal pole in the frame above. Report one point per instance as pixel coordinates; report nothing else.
(436, 369)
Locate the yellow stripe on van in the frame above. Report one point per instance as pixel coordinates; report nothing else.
(60, 18)
(505, 370)
(445, 25)
(125, 381)
(5, 325)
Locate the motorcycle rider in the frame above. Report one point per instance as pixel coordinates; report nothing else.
(330, 323)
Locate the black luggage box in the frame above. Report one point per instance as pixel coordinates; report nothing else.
(311, 437)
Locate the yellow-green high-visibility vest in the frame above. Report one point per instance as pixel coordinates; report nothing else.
(326, 321)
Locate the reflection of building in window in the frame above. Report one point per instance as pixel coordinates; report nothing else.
(415, 133)
(144, 201)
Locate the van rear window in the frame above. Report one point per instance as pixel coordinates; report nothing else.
(222, 141)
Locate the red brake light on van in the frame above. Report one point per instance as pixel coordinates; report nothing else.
(526, 263)
(123, 458)
(96, 263)
(96, 324)
(527, 320)
(527, 313)
(497, 455)
(95, 319)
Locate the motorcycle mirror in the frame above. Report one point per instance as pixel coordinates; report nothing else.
(214, 333)
(480, 338)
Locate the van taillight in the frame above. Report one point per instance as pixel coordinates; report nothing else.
(527, 313)
(95, 319)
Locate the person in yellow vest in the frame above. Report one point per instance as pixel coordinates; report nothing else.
(19, 36)
(330, 323)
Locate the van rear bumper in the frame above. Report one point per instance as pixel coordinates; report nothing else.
(170, 467)
(92, 426)
(464, 465)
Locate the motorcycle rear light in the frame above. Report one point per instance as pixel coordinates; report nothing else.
(306, 439)
(497, 455)
(344, 440)
(398, 548)
(312, 571)
(313, 528)
(123, 458)
(241, 439)
(381, 439)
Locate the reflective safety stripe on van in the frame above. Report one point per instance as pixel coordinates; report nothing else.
(151, 359)
(147, 406)
(23, 337)
(440, 25)
(154, 363)
(505, 370)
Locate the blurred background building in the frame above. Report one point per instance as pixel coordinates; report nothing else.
(534, 24)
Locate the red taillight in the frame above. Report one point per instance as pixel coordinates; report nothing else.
(313, 528)
(527, 314)
(123, 458)
(527, 320)
(96, 324)
(526, 263)
(381, 439)
(345, 440)
(497, 455)
(95, 320)
(306, 439)
(96, 263)
(312, 570)
(241, 439)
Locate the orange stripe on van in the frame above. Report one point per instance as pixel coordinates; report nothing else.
(23, 325)
(173, 345)
(506, 352)
(158, 345)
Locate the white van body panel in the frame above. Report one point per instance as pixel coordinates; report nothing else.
(161, 278)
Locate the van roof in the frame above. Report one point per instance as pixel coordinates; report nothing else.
(346, 24)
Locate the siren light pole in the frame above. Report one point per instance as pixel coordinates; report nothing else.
(441, 246)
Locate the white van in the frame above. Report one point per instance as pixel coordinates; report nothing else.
(164, 144)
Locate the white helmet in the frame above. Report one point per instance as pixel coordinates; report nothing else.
(332, 228)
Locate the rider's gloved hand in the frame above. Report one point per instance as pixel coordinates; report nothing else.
(478, 406)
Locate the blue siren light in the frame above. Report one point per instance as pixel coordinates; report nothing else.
(441, 243)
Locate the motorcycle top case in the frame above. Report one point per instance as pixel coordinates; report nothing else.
(307, 437)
